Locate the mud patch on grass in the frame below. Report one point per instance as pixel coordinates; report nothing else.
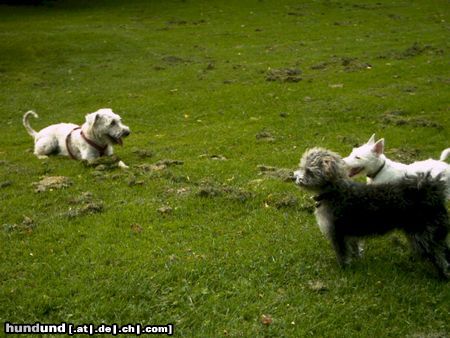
(280, 201)
(284, 75)
(405, 155)
(84, 204)
(165, 210)
(159, 166)
(175, 60)
(50, 183)
(143, 153)
(317, 286)
(348, 64)
(352, 64)
(26, 227)
(399, 118)
(265, 136)
(103, 163)
(416, 49)
(5, 184)
(214, 157)
(212, 189)
(283, 174)
(86, 209)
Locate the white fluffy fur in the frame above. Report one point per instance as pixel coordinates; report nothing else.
(369, 158)
(103, 127)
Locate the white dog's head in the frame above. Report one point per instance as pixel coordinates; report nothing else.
(366, 158)
(106, 126)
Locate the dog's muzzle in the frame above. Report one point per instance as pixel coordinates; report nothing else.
(118, 139)
(298, 177)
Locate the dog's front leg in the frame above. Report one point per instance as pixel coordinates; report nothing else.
(340, 249)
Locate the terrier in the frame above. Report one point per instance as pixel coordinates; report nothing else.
(348, 211)
(94, 138)
(369, 159)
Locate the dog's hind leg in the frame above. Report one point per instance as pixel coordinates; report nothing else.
(354, 247)
(45, 146)
(435, 250)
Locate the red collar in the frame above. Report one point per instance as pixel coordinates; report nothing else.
(99, 148)
(71, 154)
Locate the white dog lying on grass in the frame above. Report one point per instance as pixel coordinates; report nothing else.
(93, 139)
(370, 160)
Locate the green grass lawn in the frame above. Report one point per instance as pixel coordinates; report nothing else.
(214, 244)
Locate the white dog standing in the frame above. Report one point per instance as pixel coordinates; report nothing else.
(93, 139)
(369, 159)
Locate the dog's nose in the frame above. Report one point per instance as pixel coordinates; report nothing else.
(126, 132)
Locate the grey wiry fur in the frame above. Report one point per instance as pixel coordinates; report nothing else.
(347, 211)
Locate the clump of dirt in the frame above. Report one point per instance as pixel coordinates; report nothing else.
(169, 163)
(84, 204)
(352, 64)
(317, 286)
(405, 155)
(133, 181)
(415, 50)
(52, 183)
(214, 157)
(265, 135)
(284, 75)
(159, 166)
(86, 209)
(26, 227)
(320, 65)
(143, 153)
(211, 189)
(5, 184)
(165, 210)
(280, 201)
(136, 228)
(85, 197)
(398, 118)
(103, 163)
(283, 174)
(173, 60)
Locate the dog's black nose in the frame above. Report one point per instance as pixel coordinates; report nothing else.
(126, 133)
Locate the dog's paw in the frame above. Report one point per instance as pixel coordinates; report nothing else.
(122, 165)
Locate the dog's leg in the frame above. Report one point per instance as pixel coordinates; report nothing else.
(433, 248)
(355, 247)
(340, 249)
(44, 147)
(122, 165)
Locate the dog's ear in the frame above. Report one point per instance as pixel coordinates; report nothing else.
(371, 139)
(378, 147)
(329, 166)
(92, 118)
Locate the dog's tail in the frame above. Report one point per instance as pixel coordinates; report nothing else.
(26, 124)
(444, 154)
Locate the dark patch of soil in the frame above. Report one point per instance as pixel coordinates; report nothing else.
(284, 75)
(397, 118)
(265, 135)
(282, 201)
(283, 174)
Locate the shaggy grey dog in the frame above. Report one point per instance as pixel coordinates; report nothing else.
(347, 211)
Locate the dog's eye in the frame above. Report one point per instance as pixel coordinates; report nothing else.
(357, 157)
(113, 123)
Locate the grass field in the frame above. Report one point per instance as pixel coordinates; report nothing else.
(211, 242)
